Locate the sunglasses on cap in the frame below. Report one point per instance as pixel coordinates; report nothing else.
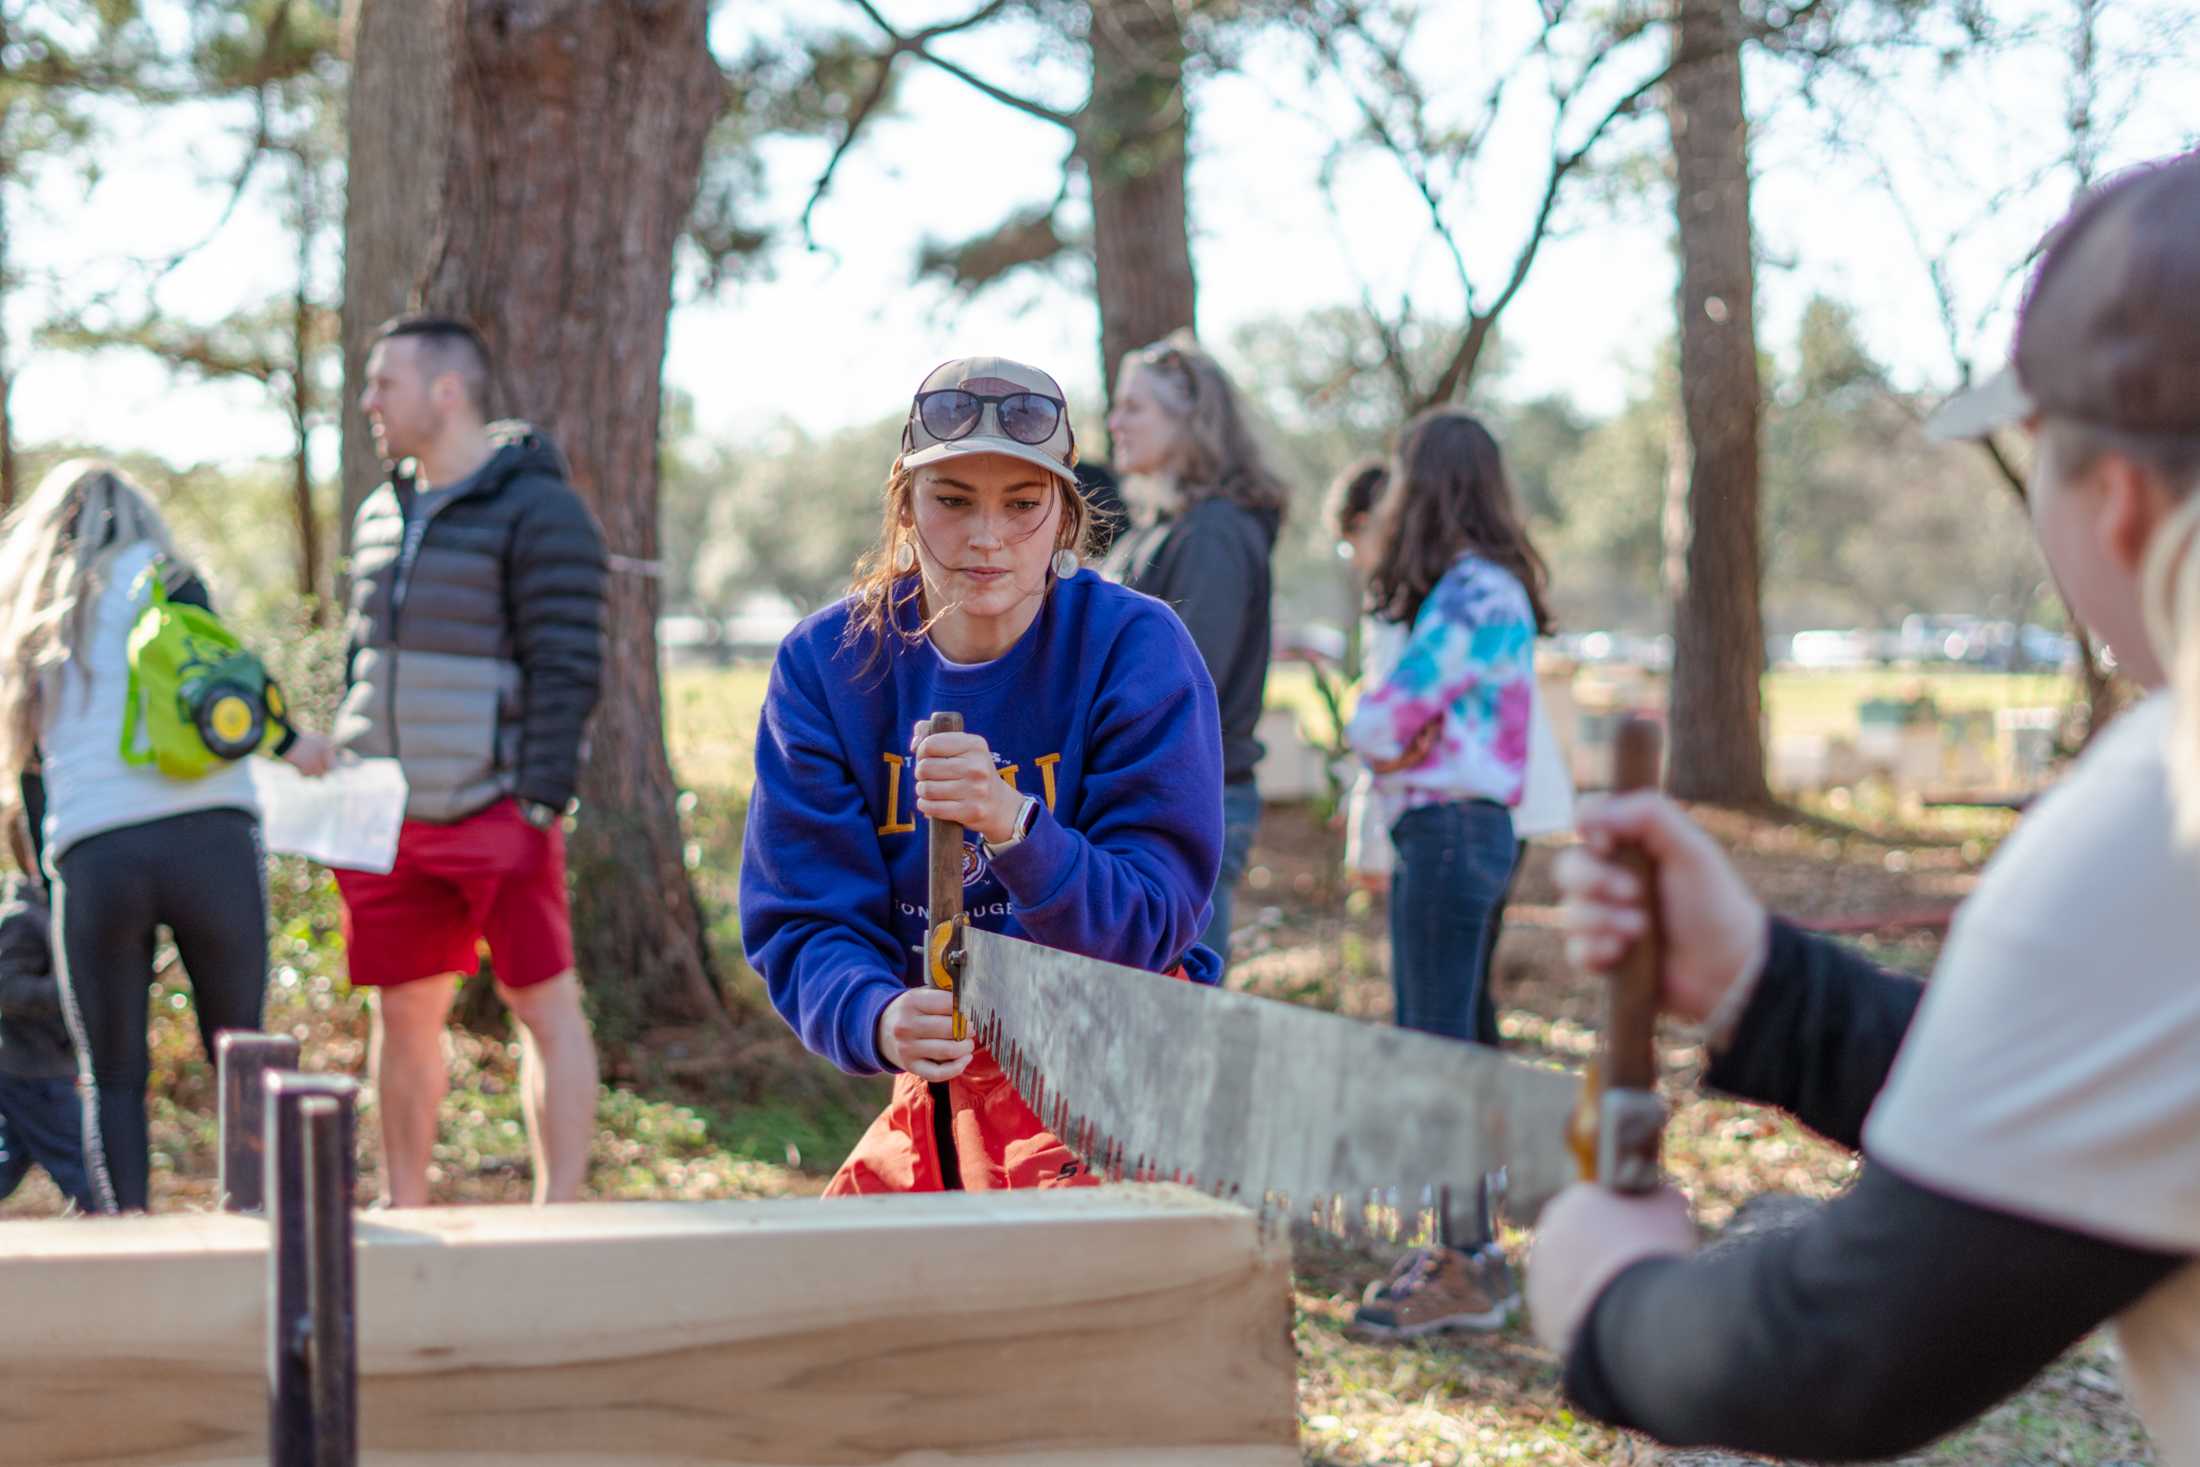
(953, 412)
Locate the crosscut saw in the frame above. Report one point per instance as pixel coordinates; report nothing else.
(1348, 1123)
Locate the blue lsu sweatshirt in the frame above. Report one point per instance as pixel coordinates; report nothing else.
(1103, 709)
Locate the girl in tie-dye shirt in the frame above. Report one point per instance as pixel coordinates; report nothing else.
(1443, 722)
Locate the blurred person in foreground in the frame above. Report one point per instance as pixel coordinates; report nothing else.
(2030, 1121)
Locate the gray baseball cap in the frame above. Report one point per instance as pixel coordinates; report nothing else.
(977, 405)
(2109, 332)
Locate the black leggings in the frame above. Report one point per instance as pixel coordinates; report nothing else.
(200, 876)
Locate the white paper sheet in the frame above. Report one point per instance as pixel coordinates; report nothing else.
(349, 817)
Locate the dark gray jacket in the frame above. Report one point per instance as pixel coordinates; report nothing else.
(476, 634)
(1212, 564)
(34, 1041)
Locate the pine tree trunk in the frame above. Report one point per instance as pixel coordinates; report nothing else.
(1717, 745)
(7, 368)
(305, 515)
(396, 120)
(1131, 142)
(575, 149)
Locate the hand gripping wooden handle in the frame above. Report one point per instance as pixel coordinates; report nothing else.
(1616, 1126)
(944, 892)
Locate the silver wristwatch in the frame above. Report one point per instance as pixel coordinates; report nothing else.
(1026, 814)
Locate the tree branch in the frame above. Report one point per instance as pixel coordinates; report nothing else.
(1411, 158)
(1389, 337)
(262, 141)
(857, 116)
(192, 349)
(259, 82)
(1463, 361)
(918, 44)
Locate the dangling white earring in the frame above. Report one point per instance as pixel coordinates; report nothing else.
(905, 556)
(1065, 564)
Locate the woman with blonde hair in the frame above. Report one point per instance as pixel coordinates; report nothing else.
(1206, 510)
(129, 849)
(1087, 778)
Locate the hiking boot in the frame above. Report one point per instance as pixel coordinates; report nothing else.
(1433, 1289)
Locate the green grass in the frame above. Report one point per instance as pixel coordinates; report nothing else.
(711, 712)
(768, 1121)
(710, 723)
(1826, 702)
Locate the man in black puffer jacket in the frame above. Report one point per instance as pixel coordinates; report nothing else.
(474, 659)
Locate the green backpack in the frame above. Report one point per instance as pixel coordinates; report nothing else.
(197, 699)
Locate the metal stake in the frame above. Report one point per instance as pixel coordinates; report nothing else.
(312, 1367)
(245, 1056)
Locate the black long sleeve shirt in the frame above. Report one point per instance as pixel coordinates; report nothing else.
(1893, 1316)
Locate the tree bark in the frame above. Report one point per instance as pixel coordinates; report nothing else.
(1131, 140)
(306, 516)
(397, 117)
(1717, 745)
(575, 148)
(1673, 518)
(7, 368)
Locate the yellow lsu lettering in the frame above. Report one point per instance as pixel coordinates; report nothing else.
(896, 825)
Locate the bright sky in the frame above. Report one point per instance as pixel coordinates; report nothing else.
(840, 334)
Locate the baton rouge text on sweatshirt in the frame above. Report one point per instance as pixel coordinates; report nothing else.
(1102, 709)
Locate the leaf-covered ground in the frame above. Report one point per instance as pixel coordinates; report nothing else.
(765, 1122)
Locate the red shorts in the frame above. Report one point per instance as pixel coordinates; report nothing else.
(491, 876)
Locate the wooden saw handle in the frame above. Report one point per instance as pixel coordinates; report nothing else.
(1627, 1055)
(944, 890)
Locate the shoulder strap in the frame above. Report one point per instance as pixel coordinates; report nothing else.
(155, 578)
(133, 696)
(133, 699)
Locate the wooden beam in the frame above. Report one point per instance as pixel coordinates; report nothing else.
(1111, 1325)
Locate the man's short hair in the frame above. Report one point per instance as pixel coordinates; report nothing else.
(449, 345)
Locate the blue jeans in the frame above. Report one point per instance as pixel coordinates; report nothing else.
(42, 1122)
(1240, 820)
(1455, 863)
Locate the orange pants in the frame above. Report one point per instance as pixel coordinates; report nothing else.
(999, 1142)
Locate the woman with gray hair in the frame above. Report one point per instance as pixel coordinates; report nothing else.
(1206, 509)
(129, 849)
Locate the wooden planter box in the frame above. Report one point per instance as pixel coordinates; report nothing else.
(1116, 1325)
